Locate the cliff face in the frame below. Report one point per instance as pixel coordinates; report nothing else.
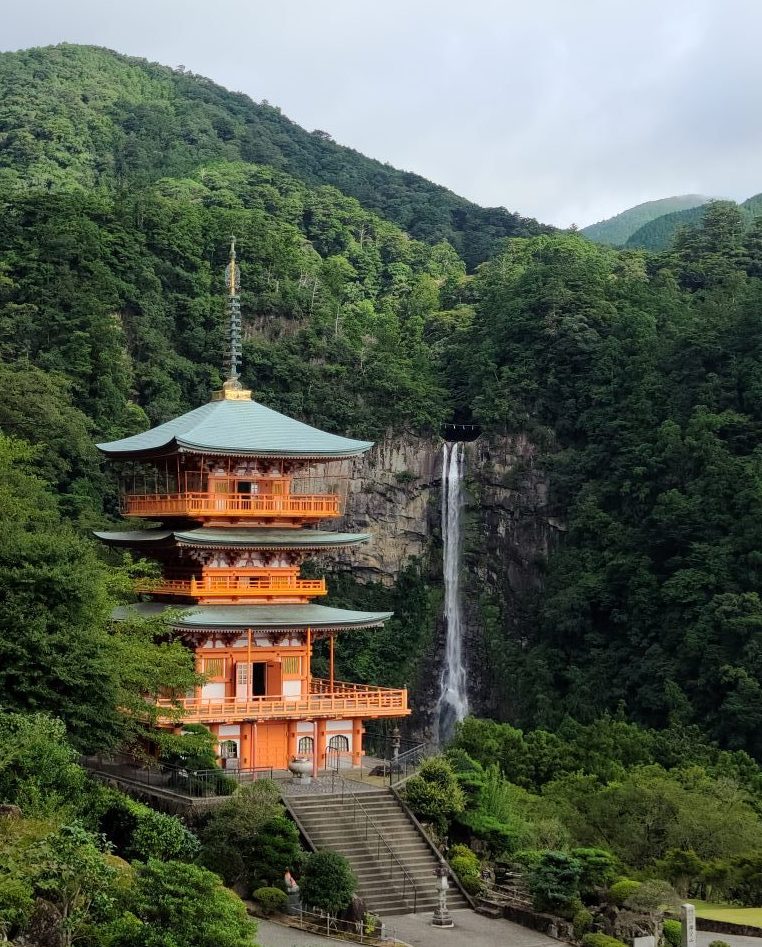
(395, 493)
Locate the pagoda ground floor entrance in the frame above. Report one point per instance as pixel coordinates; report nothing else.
(333, 744)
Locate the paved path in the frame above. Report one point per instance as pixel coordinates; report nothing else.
(704, 938)
(470, 929)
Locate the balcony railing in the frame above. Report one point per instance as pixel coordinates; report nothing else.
(346, 700)
(313, 506)
(236, 586)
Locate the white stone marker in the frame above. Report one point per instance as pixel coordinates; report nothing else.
(688, 917)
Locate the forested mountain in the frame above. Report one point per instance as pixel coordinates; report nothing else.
(658, 234)
(616, 231)
(83, 117)
(638, 378)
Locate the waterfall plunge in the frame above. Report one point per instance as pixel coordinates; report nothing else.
(453, 698)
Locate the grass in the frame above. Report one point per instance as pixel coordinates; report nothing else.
(729, 912)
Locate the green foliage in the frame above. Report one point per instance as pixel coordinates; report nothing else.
(327, 882)
(622, 890)
(274, 850)
(230, 838)
(433, 793)
(682, 869)
(467, 867)
(270, 900)
(137, 831)
(673, 932)
(173, 903)
(598, 868)
(38, 766)
(601, 940)
(582, 922)
(617, 230)
(746, 883)
(718, 943)
(554, 881)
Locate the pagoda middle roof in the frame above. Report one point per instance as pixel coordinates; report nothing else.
(261, 537)
(237, 429)
(262, 617)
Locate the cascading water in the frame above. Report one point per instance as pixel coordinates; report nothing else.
(453, 698)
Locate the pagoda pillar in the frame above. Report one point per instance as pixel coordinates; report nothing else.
(291, 738)
(320, 743)
(357, 732)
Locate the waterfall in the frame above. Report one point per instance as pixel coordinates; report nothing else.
(453, 698)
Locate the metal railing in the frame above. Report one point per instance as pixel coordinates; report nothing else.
(408, 762)
(269, 505)
(373, 834)
(176, 779)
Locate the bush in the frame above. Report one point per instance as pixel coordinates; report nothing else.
(583, 921)
(327, 882)
(718, 943)
(621, 890)
(434, 794)
(274, 850)
(598, 868)
(270, 900)
(601, 940)
(554, 881)
(137, 831)
(466, 865)
(673, 933)
(499, 836)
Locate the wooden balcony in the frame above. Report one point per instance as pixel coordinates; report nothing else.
(263, 506)
(345, 700)
(237, 584)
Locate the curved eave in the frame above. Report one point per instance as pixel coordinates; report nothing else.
(252, 539)
(177, 446)
(216, 619)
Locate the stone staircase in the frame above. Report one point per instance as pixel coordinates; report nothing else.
(364, 827)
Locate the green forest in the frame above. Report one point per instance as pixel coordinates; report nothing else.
(374, 304)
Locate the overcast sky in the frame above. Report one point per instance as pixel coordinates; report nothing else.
(565, 110)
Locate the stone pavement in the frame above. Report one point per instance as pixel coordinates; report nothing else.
(471, 930)
(704, 938)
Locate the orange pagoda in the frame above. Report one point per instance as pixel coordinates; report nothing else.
(232, 485)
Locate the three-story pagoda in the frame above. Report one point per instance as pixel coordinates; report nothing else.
(237, 518)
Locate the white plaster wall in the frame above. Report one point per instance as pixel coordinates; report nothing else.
(213, 691)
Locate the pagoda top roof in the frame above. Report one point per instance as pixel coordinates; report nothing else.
(238, 428)
(260, 617)
(260, 537)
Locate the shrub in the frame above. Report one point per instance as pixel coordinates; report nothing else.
(466, 865)
(554, 881)
(718, 943)
(327, 882)
(274, 850)
(137, 831)
(499, 836)
(583, 921)
(673, 933)
(270, 900)
(621, 890)
(601, 940)
(598, 868)
(434, 794)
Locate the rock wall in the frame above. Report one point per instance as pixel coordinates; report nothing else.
(394, 493)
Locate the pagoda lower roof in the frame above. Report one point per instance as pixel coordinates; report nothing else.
(261, 617)
(237, 429)
(256, 537)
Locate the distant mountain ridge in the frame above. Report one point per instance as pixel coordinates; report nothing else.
(658, 234)
(617, 230)
(82, 117)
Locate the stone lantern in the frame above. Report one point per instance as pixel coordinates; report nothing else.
(442, 917)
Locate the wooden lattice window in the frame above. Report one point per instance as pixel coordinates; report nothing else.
(214, 667)
(291, 665)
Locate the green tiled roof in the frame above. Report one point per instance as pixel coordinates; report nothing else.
(253, 538)
(237, 428)
(263, 617)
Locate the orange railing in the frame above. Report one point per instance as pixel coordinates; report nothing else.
(346, 700)
(235, 586)
(262, 505)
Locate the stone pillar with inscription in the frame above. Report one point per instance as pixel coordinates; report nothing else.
(688, 917)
